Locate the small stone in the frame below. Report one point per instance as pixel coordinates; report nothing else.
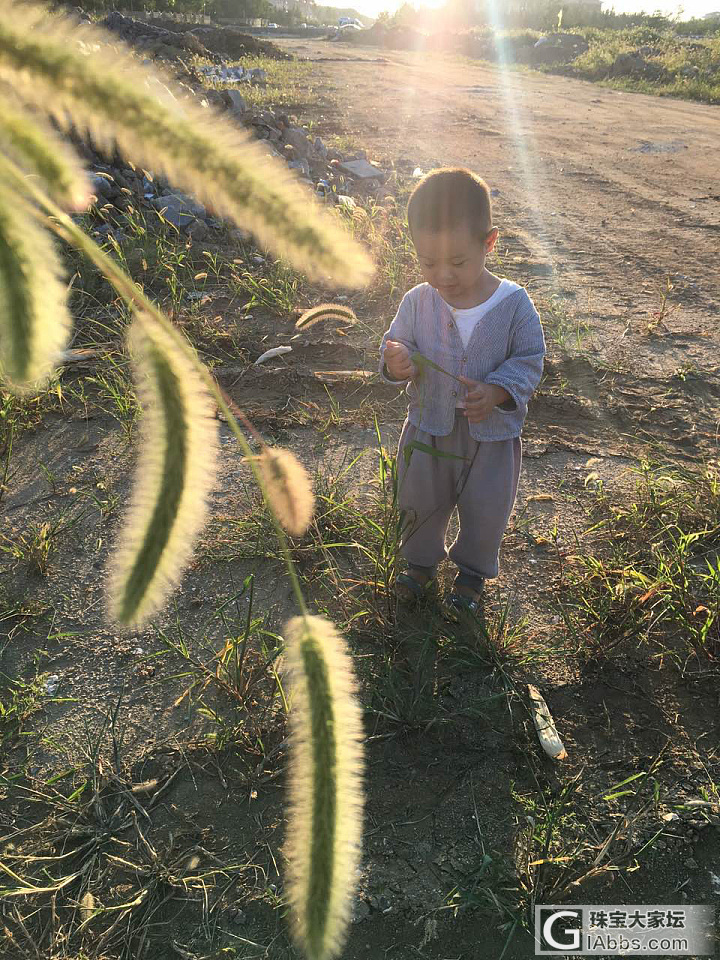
(179, 209)
(302, 166)
(236, 102)
(361, 170)
(198, 230)
(361, 911)
(691, 863)
(297, 137)
(102, 186)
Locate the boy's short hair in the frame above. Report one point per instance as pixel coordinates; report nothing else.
(449, 197)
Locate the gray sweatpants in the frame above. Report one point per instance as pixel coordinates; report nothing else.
(482, 486)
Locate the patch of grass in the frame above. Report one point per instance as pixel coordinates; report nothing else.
(383, 227)
(678, 66)
(35, 545)
(569, 837)
(234, 654)
(274, 286)
(652, 575)
(19, 700)
(565, 331)
(90, 868)
(290, 84)
(18, 414)
(114, 392)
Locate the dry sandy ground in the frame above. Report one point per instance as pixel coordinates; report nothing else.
(607, 194)
(601, 197)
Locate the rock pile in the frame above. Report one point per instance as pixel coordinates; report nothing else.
(155, 41)
(171, 42)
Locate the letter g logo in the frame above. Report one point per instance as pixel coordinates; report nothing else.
(572, 941)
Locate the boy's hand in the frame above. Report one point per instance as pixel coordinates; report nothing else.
(398, 362)
(482, 398)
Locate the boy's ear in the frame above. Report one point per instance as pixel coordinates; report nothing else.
(491, 240)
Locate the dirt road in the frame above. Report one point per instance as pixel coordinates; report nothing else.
(604, 200)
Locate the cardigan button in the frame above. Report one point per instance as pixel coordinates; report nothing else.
(454, 393)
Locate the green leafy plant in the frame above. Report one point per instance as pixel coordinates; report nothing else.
(86, 80)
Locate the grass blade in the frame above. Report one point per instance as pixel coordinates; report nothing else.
(421, 361)
(426, 448)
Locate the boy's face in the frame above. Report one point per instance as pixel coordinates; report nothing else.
(453, 261)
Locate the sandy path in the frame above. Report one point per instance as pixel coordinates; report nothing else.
(603, 199)
(614, 191)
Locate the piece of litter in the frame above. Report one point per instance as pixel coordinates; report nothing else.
(87, 905)
(346, 201)
(51, 684)
(332, 376)
(269, 354)
(138, 651)
(417, 173)
(545, 725)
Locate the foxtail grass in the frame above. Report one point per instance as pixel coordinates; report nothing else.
(286, 486)
(37, 148)
(325, 822)
(93, 82)
(34, 319)
(326, 311)
(174, 476)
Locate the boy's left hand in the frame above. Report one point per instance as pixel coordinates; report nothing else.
(482, 398)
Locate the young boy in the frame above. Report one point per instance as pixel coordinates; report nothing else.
(486, 333)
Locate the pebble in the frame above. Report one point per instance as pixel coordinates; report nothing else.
(691, 863)
(361, 912)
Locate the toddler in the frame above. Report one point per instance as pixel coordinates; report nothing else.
(486, 334)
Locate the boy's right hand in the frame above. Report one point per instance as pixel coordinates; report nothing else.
(398, 362)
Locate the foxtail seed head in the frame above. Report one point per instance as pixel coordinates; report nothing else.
(92, 81)
(326, 311)
(173, 479)
(34, 319)
(287, 488)
(325, 822)
(40, 151)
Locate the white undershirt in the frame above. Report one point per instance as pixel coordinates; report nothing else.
(466, 320)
